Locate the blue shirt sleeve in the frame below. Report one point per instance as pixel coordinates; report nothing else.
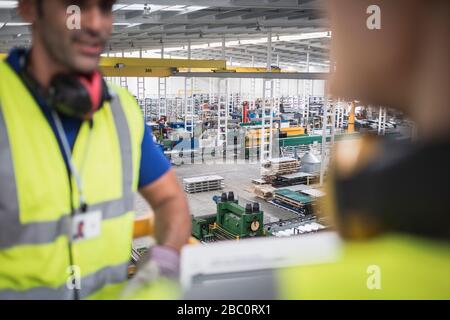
(153, 162)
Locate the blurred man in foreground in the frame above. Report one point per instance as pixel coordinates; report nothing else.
(390, 201)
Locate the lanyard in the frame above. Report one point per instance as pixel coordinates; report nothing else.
(73, 170)
(76, 175)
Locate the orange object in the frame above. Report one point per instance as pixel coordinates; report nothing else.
(144, 226)
(293, 131)
(351, 119)
(193, 241)
(245, 115)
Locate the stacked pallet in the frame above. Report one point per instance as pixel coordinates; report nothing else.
(279, 166)
(293, 179)
(265, 192)
(258, 182)
(203, 184)
(291, 199)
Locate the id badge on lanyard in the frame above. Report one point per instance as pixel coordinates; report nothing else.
(86, 226)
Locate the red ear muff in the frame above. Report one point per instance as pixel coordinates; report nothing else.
(94, 87)
(77, 96)
(72, 95)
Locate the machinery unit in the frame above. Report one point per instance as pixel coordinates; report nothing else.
(232, 221)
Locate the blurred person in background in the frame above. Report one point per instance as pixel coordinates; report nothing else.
(389, 200)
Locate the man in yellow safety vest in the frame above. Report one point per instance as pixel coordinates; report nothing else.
(73, 152)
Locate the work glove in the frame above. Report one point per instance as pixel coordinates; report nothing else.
(160, 264)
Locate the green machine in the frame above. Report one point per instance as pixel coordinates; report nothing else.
(232, 221)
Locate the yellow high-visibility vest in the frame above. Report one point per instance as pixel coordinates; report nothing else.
(35, 197)
(390, 267)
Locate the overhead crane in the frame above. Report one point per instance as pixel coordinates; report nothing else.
(154, 67)
(151, 67)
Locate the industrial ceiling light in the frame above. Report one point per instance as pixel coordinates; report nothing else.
(200, 35)
(258, 27)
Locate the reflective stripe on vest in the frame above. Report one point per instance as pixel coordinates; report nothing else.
(45, 232)
(391, 266)
(42, 274)
(89, 285)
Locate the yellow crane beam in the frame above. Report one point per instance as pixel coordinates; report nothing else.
(162, 63)
(151, 67)
(252, 69)
(137, 72)
(230, 70)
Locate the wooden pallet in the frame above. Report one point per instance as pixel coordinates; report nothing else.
(258, 181)
(203, 184)
(265, 192)
(279, 166)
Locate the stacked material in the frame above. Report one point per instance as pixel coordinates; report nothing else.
(293, 131)
(278, 166)
(258, 181)
(315, 193)
(203, 184)
(265, 191)
(293, 179)
(292, 200)
(298, 187)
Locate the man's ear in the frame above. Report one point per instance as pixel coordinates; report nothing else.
(28, 10)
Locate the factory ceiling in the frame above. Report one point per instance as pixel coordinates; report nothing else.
(297, 26)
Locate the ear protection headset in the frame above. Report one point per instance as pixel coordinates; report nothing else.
(78, 96)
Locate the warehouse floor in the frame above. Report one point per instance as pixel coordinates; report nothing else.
(238, 179)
